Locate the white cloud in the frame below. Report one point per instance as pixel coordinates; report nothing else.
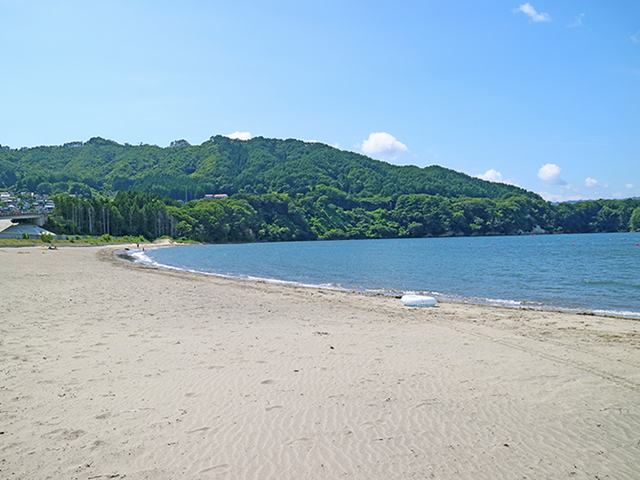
(491, 176)
(240, 135)
(513, 181)
(527, 9)
(591, 182)
(433, 152)
(578, 22)
(550, 173)
(635, 38)
(629, 186)
(384, 146)
(550, 197)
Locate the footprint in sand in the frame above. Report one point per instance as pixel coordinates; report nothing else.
(374, 423)
(64, 434)
(97, 444)
(427, 403)
(299, 441)
(223, 468)
(201, 429)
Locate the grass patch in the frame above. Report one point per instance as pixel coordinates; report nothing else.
(88, 240)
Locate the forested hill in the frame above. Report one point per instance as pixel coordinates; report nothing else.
(223, 165)
(280, 190)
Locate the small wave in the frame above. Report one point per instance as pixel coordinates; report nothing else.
(600, 282)
(555, 304)
(519, 304)
(144, 259)
(616, 313)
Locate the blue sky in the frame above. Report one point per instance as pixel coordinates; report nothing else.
(542, 94)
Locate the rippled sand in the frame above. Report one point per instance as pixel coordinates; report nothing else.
(110, 370)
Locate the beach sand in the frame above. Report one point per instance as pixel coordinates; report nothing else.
(112, 370)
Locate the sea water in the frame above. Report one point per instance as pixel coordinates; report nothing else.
(589, 273)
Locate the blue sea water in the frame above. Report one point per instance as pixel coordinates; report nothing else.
(590, 273)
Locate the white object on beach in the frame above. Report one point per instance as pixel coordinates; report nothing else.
(418, 301)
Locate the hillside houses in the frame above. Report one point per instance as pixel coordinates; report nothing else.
(24, 202)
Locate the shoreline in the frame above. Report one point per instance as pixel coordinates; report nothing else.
(117, 369)
(440, 297)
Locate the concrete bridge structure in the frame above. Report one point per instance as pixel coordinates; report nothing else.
(37, 218)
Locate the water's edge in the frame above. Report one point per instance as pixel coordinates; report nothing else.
(140, 257)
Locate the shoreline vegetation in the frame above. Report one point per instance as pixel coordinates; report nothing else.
(279, 217)
(70, 240)
(103, 240)
(114, 369)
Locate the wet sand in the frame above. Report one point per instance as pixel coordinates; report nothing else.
(112, 370)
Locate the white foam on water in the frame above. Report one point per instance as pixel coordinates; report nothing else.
(144, 257)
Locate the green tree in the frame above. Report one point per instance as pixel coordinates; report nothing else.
(635, 220)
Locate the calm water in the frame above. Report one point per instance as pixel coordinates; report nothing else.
(597, 273)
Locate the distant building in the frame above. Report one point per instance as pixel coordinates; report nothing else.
(218, 196)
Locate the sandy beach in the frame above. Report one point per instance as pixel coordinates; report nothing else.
(112, 370)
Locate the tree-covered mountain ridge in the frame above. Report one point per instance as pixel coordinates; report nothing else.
(223, 165)
(281, 190)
